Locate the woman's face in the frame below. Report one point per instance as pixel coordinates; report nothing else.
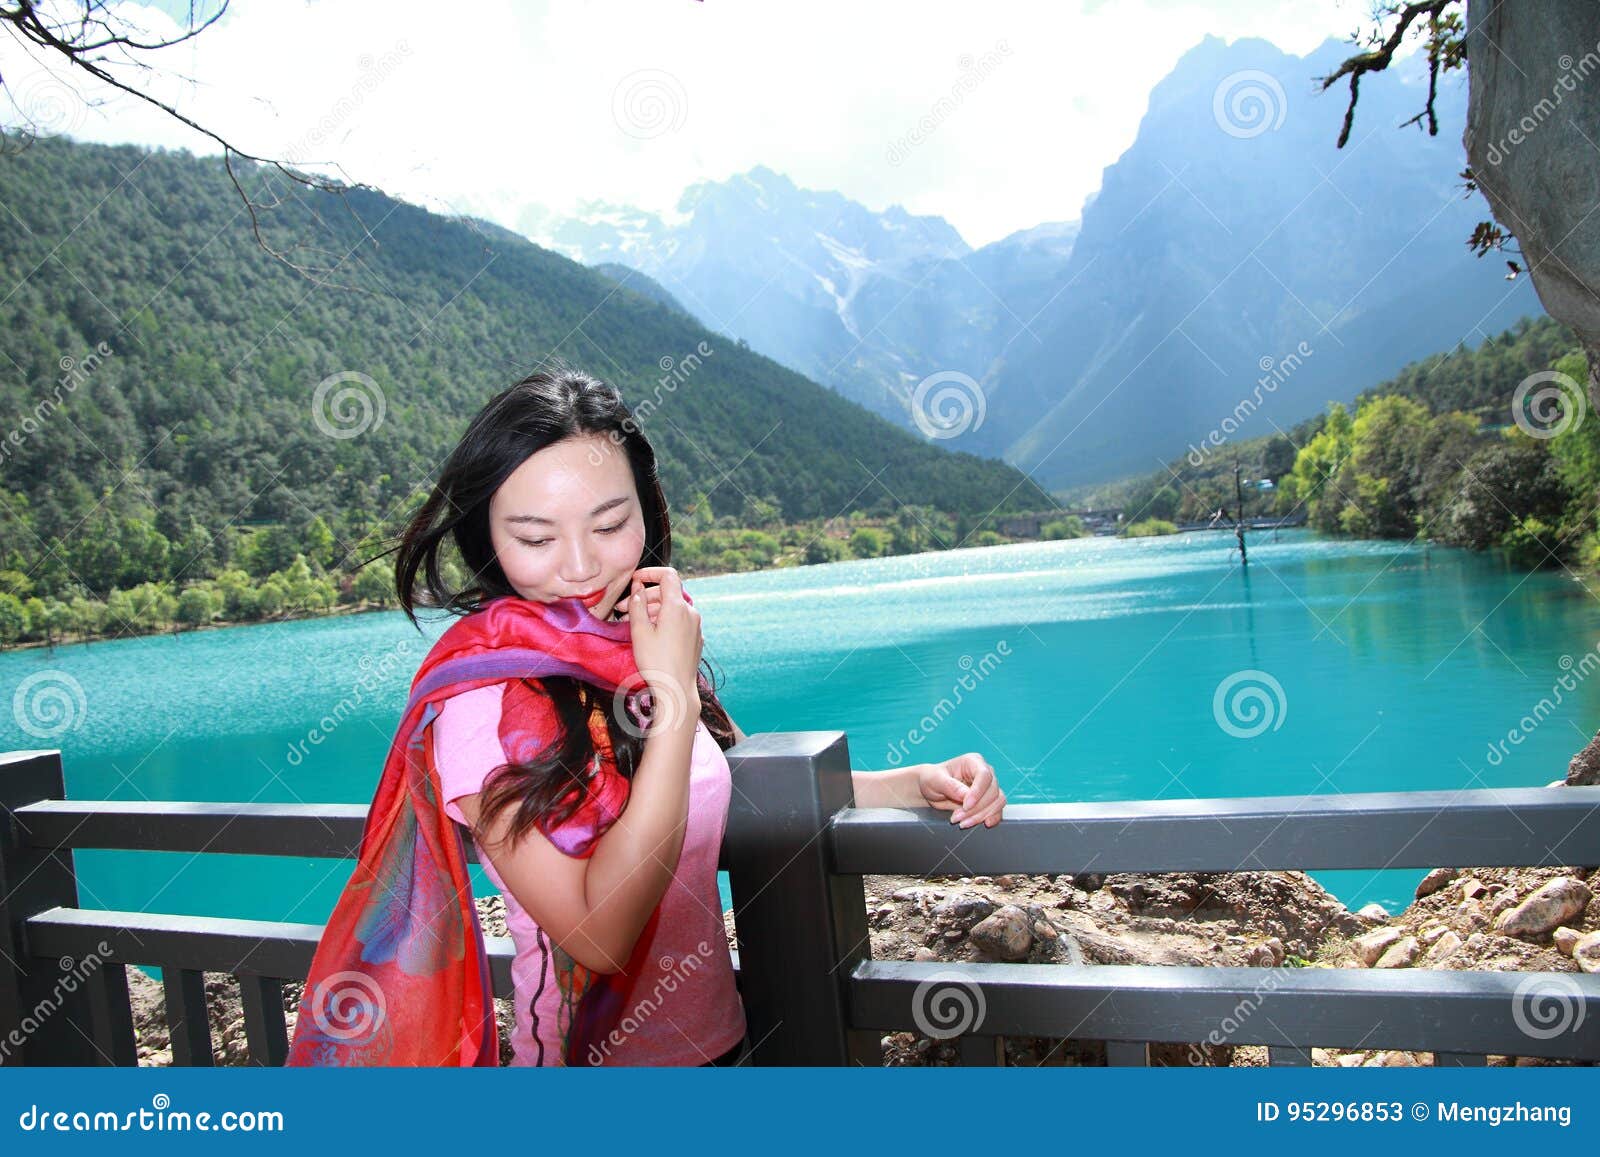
(567, 523)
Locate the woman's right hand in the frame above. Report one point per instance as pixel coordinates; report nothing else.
(667, 642)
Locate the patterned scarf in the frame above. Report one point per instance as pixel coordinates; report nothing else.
(400, 975)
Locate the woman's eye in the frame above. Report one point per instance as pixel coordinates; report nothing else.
(533, 542)
(614, 529)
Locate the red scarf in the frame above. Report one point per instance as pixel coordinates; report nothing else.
(400, 976)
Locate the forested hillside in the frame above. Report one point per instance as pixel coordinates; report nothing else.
(179, 404)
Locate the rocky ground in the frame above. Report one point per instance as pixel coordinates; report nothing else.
(1503, 919)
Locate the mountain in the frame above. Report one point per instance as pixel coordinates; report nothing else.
(1216, 245)
(168, 381)
(867, 303)
(646, 287)
(1209, 256)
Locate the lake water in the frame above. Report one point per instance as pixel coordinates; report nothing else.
(1090, 670)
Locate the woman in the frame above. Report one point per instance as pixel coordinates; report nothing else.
(597, 811)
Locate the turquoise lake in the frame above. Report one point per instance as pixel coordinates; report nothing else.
(1093, 666)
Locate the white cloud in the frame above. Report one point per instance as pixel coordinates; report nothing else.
(499, 105)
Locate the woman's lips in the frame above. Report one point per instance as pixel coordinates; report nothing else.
(594, 598)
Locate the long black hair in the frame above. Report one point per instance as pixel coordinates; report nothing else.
(546, 407)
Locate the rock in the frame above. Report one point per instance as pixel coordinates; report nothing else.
(1374, 911)
(1267, 954)
(1548, 908)
(1471, 913)
(1443, 948)
(1006, 935)
(1473, 888)
(1374, 944)
(954, 934)
(1400, 954)
(1044, 930)
(1431, 932)
(1102, 901)
(962, 911)
(1565, 939)
(1503, 900)
(1435, 880)
(925, 954)
(1584, 770)
(1587, 952)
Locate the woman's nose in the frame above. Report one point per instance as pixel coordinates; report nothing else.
(577, 565)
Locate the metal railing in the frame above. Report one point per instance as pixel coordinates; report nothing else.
(796, 852)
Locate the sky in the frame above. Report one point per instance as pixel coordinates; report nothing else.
(997, 116)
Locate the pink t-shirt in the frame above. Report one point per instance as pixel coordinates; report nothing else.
(686, 1009)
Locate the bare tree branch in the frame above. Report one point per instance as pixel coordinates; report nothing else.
(51, 41)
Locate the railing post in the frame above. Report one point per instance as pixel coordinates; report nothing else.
(801, 929)
(45, 1013)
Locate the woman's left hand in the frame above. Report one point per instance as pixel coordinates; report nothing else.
(965, 784)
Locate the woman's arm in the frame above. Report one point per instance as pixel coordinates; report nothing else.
(909, 786)
(596, 907)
